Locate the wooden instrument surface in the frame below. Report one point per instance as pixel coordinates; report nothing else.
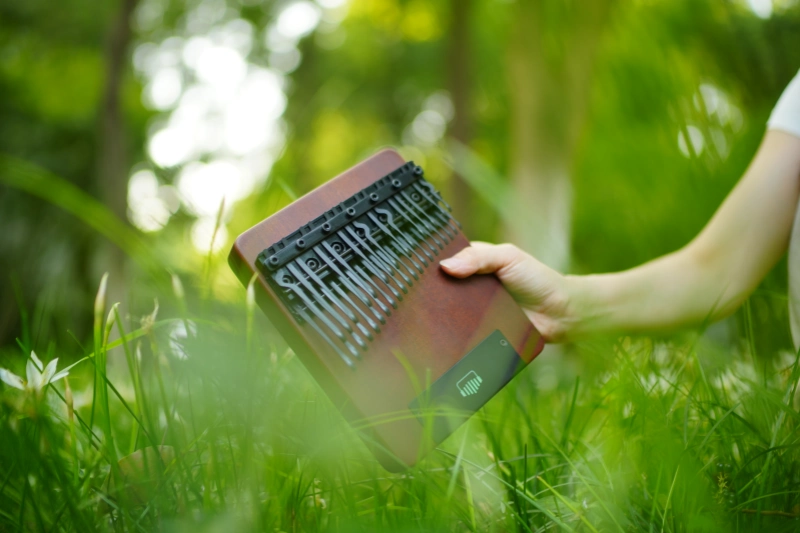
(439, 321)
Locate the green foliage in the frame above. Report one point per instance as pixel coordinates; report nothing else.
(197, 417)
(21, 175)
(665, 436)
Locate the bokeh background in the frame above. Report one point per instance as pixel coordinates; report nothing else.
(595, 136)
(140, 137)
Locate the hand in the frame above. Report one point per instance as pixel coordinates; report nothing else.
(539, 290)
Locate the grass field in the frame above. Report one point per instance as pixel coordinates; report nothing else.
(140, 137)
(630, 435)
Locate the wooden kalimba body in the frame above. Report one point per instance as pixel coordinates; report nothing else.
(349, 274)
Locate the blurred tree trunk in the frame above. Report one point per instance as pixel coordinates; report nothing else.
(549, 91)
(460, 83)
(112, 163)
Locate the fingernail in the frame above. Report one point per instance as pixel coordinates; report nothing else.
(453, 263)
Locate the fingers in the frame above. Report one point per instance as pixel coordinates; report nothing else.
(481, 258)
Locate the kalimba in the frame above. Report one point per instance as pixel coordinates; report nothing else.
(349, 274)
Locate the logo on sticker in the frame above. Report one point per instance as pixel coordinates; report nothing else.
(469, 384)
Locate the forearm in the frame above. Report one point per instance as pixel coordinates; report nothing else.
(709, 278)
(663, 295)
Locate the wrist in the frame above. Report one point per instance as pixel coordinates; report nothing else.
(585, 312)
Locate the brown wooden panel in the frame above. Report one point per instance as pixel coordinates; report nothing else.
(438, 322)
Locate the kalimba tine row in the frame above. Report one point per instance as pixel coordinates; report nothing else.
(371, 248)
(349, 275)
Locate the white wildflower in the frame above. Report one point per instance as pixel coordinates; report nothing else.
(38, 375)
(11, 379)
(181, 331)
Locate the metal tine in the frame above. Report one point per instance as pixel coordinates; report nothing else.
(379, 255)
(399, 244)
(322, 287)
(304, 282)
(412, 208)
(439, 212)
(433, 219)
(410, 212)
(366, 276)
(299, 275)
(332, 297)
(430, 194)
(355, 289)
(356, 252)
(426, 216)
(389, 252)
(401, 234)
(421, 235)
(371, 323)
(400, 250)
(433, 192)
(370, 265)
(361, 328)
(319, 314)
(340, 353)
(365, 281)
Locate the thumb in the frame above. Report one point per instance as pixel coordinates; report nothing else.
(482, 258)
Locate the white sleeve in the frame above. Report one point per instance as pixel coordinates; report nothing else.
(786, 115)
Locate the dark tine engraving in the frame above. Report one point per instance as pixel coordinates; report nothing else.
(387, 251)
(421, 226)
(425, 217)
(344, 271)
(418, 231)
(366, 276)
(340, 353)
(435, 194)
(361, 292)
(320, 315)
(400, 245)
(371, 323)
(375, 271)
(346, 310)
(390, 222)
(379, 258)
(319, 299)
(435, 199)
(313, 277)
(364, 281)
(416, 197)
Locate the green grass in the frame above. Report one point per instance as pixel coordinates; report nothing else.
(197, 417)
(652, 436)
